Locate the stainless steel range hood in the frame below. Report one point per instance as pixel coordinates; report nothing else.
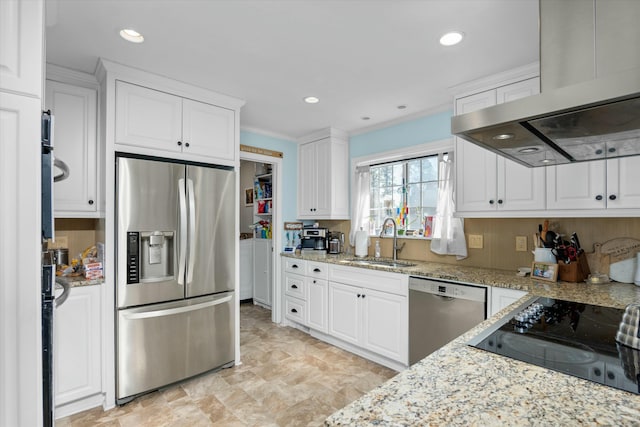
(592, 120)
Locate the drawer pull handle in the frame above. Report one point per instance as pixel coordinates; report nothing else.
(294, 286)
(293, 310)
(316, 270)
(294, 266)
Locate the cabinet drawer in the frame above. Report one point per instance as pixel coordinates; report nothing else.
(294, 286)
(319, 270)
(295, 309)
(382, 281)
(292, 265)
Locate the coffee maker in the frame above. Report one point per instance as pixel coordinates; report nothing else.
(315, 240)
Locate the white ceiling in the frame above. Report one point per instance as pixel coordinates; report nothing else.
(361, 58)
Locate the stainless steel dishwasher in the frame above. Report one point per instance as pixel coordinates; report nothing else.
(441, 311)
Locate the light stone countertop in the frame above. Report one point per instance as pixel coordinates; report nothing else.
(465, 386)
(77, 281)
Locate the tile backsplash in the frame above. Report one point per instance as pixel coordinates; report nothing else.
(499, 239)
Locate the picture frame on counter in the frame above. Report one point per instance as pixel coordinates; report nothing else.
(544, 271)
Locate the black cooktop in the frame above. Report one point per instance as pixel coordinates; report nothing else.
(569, 337)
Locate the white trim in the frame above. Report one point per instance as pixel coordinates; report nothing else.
(72, 77)
(524, 72)
(397, 121)
(79, 405)
(268, 133)
(426, 149)
(277, 302)
(324, 133)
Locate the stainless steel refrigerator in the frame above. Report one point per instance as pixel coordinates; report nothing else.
(175, 272)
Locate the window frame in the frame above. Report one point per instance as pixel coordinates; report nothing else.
(438, 147)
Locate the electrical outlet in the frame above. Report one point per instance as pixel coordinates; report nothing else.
(521, 243)
(475, 241)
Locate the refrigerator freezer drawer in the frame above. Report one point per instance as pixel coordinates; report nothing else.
(160, 344)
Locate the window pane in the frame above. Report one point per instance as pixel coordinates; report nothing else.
(430, 195)
(430, 168)
(398, 174)
(414, 170)
(413, 195)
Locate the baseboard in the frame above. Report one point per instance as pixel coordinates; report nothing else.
(80, 405)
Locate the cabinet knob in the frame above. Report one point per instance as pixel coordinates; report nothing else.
(91, 201)
(179, 143)
(599, 197)
(363, 295)
(612, 197)
(294, 266)
(612, 150)
(499, 201)
(491, 202)
(186, 144)
(599, 151)
(293, 310)
(315, 281)
(316, 270)
(294, 286)
(359, 295)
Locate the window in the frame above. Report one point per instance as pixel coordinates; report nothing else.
(406, 191)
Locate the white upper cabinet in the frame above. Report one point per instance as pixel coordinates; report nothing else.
(75, 113)
(166, 123)
(602, 184)
(21, 46)
(323, 176)
(486, 182)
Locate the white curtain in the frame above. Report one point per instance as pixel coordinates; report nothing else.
(360, 203)
(448, 232)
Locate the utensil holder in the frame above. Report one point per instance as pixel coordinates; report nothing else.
(577, 271)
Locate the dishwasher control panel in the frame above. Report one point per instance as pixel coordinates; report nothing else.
(446, 289)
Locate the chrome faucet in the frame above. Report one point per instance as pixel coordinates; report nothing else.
(396, 248)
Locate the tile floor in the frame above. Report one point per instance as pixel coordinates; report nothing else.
(287, 379)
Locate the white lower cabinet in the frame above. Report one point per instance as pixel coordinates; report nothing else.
(361, 310)
(77, 351)
(246, 269)
(502, 297)
(317, 299)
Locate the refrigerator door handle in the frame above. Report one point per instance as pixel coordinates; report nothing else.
(183, 231)
(171, 311)
(192, 230)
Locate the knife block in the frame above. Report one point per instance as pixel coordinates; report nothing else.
(577, 271)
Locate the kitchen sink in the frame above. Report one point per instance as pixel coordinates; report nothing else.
(379, 262)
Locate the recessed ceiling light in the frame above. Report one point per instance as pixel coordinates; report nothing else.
(311, 100)
(131, 35)
(366, 118)
(401, 107)
(503, 136)
(529, 150)
(545, 161)
(451, 38)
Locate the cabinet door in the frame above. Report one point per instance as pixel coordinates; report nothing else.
(148, 118)
(262, 271)
(246, 269)
(519, 187)
(76, 352)
(502, 297)
(517, 90)
(208, 130)
(344, 312)
(317, 311)
(475, 166)
(577, 186)
(307, 181)
(74, 110)
(623, 176)
(323, 205)
(21, 46)
(385, 324)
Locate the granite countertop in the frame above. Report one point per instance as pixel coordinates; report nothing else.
(463, 385)
(77, 281)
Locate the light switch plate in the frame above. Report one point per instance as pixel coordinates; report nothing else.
(521, 243)
(475, 241)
